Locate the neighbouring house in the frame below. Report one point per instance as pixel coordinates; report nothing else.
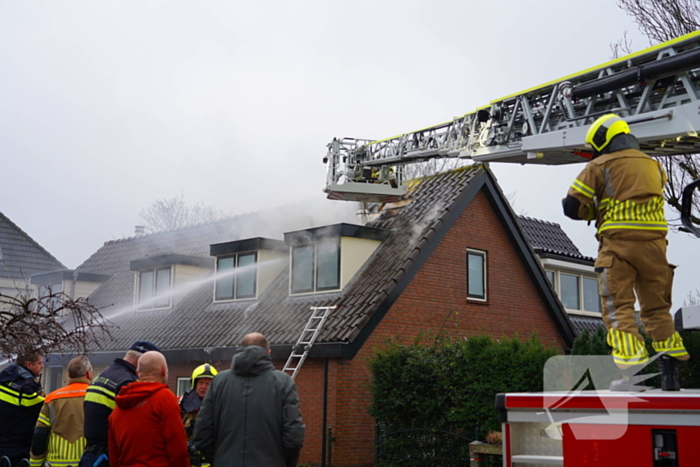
(450, 258)
(20, 258)
(571, 274)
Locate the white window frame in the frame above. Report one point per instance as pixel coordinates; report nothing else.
(484, 255)
(580, 275)
(146, 307)
(314, 269)
(183, 380)
(235, 279)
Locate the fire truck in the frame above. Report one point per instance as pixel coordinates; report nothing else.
(656, 91)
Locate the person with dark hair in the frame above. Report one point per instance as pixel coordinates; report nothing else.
(145, 427)
(622, 190)
(21, 398)
(58, 435)
(250, 415)
(99, 402)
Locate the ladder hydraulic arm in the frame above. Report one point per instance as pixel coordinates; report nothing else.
(655, 90)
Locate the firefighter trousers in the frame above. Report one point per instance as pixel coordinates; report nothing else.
(627, 268)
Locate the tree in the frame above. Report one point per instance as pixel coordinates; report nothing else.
(52, 323)
(660, 21)
(174, 213)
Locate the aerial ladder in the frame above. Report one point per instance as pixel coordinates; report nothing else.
(654, 90)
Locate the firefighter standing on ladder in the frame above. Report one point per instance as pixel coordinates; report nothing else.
(622, 189)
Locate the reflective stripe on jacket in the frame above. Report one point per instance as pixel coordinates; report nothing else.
(99, 399)
(623, 190)
(21, 399)
(63, 416)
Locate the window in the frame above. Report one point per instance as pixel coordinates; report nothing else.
(569, 290)
(183, 385)
(316, 266)
(476, 275)
(591, 297)
(53, 378)
(236, 276)
(54, 292)
(576, 291)
(154, 288)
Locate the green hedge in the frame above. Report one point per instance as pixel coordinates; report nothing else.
(452, 382)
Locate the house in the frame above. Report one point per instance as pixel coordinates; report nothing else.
(21, 257)
(571, 274)
(451, 258)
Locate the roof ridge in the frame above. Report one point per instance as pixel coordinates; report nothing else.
(180, 229)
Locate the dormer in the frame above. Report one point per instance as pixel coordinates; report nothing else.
(75, 284)
(324, 259)
(160, 282)
(245, 268)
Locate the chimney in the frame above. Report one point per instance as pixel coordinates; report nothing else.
(139, 230)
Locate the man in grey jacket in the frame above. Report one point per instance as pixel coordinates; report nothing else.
(250, 416)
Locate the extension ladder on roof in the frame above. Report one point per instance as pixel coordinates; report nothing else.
(306, 340)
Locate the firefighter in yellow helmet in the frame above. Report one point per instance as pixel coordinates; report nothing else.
(621, 188)
(192, 399)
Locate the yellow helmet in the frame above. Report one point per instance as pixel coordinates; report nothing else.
(603, 130)
(203, 371)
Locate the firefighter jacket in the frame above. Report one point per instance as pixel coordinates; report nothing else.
(145, 428)
(623, 191)
(58, 435)
(21, 399)
(189, 408)
(99, 399)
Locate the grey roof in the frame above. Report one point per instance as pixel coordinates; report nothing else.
(198, 322)
(20, 255)
(582, 323)
(548, 238)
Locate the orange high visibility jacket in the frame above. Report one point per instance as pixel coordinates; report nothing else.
(63, 415)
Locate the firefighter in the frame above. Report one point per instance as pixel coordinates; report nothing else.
(191, 400)
(58, 435)
(622, 190)
(100, 401)
(21, 399)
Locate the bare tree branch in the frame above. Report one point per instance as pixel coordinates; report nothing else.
(174, 213)
(52, 323)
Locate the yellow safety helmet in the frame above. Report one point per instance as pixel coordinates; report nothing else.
(203, 371)
(603, 130)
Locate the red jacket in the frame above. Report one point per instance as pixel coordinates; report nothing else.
(145, 429)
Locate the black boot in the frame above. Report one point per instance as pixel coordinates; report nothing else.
(669, 366)
(630, 381)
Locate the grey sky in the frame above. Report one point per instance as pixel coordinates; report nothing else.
(108, 106)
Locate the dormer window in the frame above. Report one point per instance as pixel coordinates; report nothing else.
(316, 266)
(236, 276)
(245, 268)
(325, 259)
(159, 280)
(154, 288)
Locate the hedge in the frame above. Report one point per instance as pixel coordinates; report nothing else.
(452, 383)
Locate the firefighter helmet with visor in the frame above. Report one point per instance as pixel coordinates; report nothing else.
(603, 130)
(203, 371)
